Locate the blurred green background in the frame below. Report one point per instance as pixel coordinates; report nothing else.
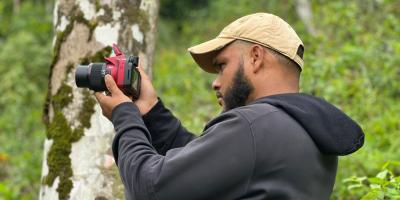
(352, 60)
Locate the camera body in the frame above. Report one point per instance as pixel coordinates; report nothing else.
(121, 68)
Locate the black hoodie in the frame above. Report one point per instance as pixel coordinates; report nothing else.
(278, 147)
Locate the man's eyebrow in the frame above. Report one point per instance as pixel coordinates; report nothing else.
(215, 62)
(218, 60)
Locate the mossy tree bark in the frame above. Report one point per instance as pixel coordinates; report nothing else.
(77, 162)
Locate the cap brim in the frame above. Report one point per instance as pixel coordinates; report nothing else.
(205, 53)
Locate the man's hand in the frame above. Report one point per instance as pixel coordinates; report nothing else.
(108, 103)
(148, 96)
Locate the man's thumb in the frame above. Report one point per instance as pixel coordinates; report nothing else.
(111, 85)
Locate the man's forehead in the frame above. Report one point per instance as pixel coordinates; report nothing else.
(224, 52)
(218, 57)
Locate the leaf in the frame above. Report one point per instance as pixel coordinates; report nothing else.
(374, 195)
(354, 186)
(375, 181)
(382, 174)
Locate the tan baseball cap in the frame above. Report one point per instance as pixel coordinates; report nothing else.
(261, 28)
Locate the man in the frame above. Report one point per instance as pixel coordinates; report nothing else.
(271, 142)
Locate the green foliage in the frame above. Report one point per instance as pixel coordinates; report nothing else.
(356, 57)
(24, 62)
(352, 61)
(174, 80)
(385, 185)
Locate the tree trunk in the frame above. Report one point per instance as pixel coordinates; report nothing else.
(304, 11)
(77, 161)
(16, 6)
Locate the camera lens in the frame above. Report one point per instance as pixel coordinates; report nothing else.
(96, 76)
(91, 76)
(82, 76)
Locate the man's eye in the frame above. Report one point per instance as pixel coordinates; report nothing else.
(220, 67)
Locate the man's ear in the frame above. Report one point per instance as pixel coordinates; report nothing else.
(256, 57)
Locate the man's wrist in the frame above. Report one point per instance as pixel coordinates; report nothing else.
(122, 108)
(146, 106)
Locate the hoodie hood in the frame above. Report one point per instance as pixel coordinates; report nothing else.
(332, 131)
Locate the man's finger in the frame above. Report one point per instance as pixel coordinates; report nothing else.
(142, 73)
(99, 96)
(111, 85)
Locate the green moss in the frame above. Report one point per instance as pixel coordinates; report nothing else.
(98, 56)
(65, 186)
(92, 24)
(134, 16)
(58, 160)
(97, 5)
(59, 130)
(138, 16)
(84, 116)
(61, 37)
(107, 16)
(63, 97)
(46, 106)
(87, 109)
(69, 67)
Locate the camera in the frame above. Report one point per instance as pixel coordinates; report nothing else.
(122, 69)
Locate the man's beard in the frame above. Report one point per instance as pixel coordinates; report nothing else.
(239, 92)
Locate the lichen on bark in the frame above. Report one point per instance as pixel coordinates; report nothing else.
(68, 112)
(60, 131)
(130, 16)
(61, 37)
(97, 57)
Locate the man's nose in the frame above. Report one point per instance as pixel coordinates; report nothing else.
(216, 84)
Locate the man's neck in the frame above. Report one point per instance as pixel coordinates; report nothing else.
(273, 91)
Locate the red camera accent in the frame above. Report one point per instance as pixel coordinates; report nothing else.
(117, 66)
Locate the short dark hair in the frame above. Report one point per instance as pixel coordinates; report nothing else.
(284, 60)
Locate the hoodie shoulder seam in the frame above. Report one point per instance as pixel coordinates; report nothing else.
(250, 121)
(253, 140)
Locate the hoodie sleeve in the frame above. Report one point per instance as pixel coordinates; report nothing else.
(217, 164)
(165, 129)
